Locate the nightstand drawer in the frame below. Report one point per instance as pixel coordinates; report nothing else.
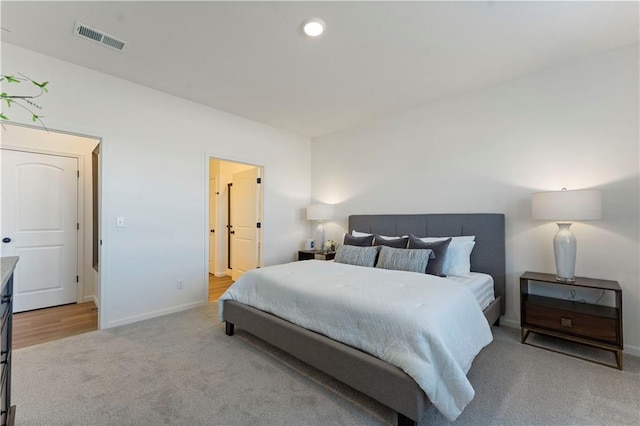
(568, 322)
(5, 304)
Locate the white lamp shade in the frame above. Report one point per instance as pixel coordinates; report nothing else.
(566, 205)
(320, 212)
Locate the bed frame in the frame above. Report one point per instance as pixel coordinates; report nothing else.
(366, 373)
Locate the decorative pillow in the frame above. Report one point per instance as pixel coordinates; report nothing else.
(403, 259)
(350, 240)
(399, 242)
(438, 255)
(458, 259)
(354, 255)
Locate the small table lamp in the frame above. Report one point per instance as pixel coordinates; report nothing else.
(320, 213)
(564, 206)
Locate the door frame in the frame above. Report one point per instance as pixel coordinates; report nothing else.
(215, 225)
(207, 157)
(100, 294)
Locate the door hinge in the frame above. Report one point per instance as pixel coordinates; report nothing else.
(259, 180)
(78, 171)
(259, 225)
(77, 279)
(100, 242)
(77, 226)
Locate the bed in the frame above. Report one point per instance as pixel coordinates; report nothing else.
(371, 375)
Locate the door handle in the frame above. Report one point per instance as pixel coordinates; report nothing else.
(6, 240)
(232, 232)
(212, 230)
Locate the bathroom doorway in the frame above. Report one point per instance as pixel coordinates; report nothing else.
(235, 224)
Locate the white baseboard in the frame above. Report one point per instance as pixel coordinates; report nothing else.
(91, 298)
(220, 274)
(509, 323)
(628, 350)
(632, 350)
(153, 314)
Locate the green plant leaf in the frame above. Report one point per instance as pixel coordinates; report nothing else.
(43, 86)
(4, 117)
(34, 118)
(12, 79)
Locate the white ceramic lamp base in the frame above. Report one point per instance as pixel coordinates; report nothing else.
(564, 248)
(320, 237)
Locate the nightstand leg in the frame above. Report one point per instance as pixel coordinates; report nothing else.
(619, 359)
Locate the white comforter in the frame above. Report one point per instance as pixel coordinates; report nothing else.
(430, 327)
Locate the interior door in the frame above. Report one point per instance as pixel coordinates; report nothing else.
(39, 224)
(213, 221)
(245, 217)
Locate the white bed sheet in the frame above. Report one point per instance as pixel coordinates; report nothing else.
(430, 327)
(481, 285)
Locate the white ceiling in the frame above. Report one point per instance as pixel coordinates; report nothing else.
(375, 58)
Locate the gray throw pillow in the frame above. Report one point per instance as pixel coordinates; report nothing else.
(359, 256)
(350, 240)
(403, 259)
(439, 249)
(400, 242)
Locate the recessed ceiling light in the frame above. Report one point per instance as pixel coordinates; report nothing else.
(313, 27)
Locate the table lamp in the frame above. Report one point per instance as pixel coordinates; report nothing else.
(320, 213)
(563, 207)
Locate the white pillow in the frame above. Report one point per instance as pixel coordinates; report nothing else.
(458, 259)
(359, 234)
(458, 239)
(384, 237)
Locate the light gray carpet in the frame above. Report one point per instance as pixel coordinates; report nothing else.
(182, 369)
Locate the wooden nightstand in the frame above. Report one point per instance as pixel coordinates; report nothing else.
(315, 254)
(594, 325)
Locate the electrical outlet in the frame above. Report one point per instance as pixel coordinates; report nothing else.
(180, 284)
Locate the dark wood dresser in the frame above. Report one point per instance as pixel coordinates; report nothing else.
(7, 411)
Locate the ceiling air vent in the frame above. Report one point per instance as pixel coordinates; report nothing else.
(97, 36)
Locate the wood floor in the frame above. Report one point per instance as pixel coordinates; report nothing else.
(217, 286)
(44, 325)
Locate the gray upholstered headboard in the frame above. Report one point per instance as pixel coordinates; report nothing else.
(488, 255)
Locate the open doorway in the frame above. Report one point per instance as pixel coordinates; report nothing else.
(235, 224)
(49, 207)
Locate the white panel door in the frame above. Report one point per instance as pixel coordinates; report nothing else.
(39, 224)
(245, 216)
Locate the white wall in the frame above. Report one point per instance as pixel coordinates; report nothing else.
(39, 140)
(155, 150)
(573, 126)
